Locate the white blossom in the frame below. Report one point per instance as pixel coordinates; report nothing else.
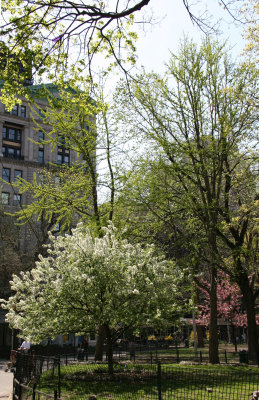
(86, 282)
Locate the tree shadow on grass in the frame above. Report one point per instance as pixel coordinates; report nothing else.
(139, 382)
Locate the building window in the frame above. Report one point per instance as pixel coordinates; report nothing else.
(23, 111)
(6, 174)
(60, 158)
(17, 174)
(40, 136)
(15, 110)
(41, 156)
(17, 199)
(5, 198)
(11, 152)
(41, 114)
(66, 159)
(63, 151)
(12, 134)
(63, 158)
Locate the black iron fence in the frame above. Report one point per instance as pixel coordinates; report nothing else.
(43, 378)
(28, 370)
(153, 353)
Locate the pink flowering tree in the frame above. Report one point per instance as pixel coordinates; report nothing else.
(229, 303)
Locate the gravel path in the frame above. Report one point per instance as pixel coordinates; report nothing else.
(6, 381)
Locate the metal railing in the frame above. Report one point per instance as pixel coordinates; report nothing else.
(43, 378)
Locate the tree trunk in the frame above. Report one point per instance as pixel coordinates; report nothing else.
(109, 349)
(99, 344)
(228, 333)
(213, 329)
(234, 335)
(195, 335)
(252, 337)
(200, 336)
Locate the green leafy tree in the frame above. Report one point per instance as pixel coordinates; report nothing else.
(250, 12)
(201, 118)
(86, 282)
(150, 209)
(50, 36)
(67, 194)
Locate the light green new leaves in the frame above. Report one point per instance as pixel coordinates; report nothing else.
(53, 37)
(61, 192)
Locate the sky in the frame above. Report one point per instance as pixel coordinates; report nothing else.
(170, 23)
(157, 40)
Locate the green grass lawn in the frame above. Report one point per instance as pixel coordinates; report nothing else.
(172, 355)
(133, 381)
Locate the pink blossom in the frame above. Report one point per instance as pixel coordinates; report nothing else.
(229, 303)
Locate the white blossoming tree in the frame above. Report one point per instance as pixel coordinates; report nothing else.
(87, 282)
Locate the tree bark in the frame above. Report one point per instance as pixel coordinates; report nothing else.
(252, 337)
(195, 335)
(234, 336)
(213, 329)
(200, 336)
(109, 349)
(99, 344)
(228, 333)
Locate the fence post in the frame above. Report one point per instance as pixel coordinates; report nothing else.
(14, 388)
(200, 356)
(55, 395)
(226, 360)
(66, 359)
(19, 392)
(33, 391)
(59, 378)
(17, 371)
(151, 358)
(159, 381)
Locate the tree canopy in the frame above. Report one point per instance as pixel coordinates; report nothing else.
(67, 193)
(201, 119)
(44, 34)
(87, 282)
